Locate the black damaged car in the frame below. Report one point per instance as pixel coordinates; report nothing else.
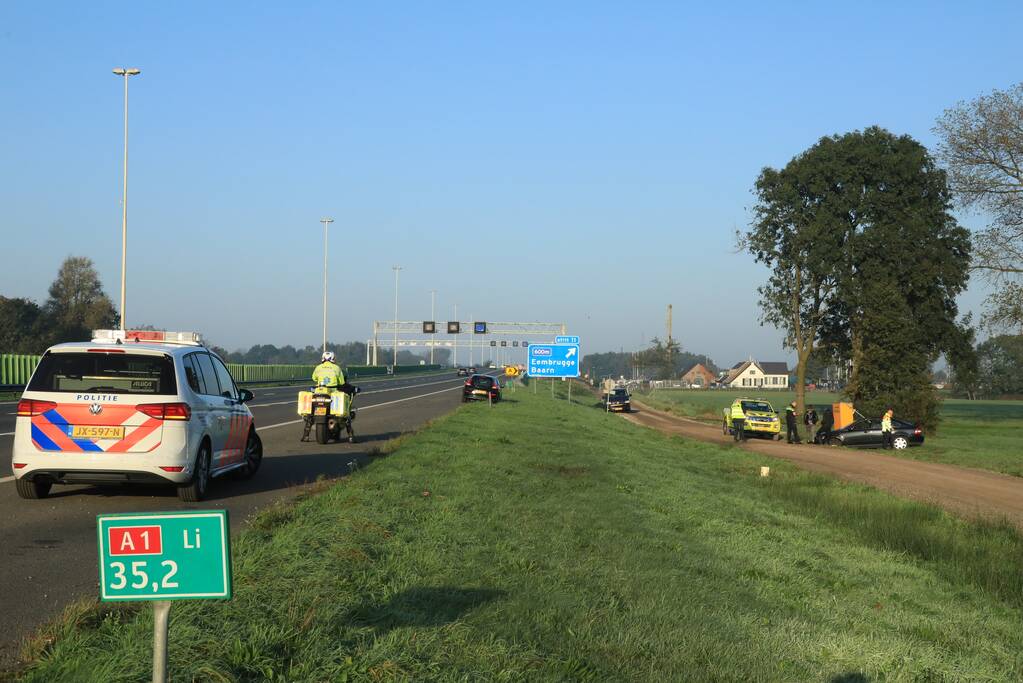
(866, 433)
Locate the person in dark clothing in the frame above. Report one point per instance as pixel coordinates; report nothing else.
(810, 422)
(791, 424)
(827, 424)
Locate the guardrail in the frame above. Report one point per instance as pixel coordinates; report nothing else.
(16, 369)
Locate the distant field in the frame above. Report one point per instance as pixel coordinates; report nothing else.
(540, 540)
(981, 434)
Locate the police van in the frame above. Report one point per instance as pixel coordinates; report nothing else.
(135, 406)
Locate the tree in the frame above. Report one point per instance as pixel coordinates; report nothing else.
(77, 304)
(1001, 365)
(866, 262)
(907, 262)
(981, 143)
(20, 322)
(797, 234)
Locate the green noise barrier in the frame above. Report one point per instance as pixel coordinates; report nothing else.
(16, 369)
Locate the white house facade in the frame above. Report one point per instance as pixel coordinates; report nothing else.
(751, 374)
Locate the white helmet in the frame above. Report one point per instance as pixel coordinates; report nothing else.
(327, 357)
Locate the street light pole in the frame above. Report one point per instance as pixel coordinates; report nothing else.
(457, 335)
(326, 222)
(125, 73)
(394, 364)
(433, 317)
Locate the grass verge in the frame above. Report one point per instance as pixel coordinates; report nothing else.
(540, 540)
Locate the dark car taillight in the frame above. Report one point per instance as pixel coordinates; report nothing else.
(917, 431)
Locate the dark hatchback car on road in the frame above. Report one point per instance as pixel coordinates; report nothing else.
(867, 434)
(481, 388)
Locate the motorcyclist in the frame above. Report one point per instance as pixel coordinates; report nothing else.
(326, 374)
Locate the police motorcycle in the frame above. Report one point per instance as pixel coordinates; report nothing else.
(327, 410)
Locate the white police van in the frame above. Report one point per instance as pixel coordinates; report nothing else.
(135, 406)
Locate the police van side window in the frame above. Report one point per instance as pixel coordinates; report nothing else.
(209, 375)
(227, 388)
(192, 374)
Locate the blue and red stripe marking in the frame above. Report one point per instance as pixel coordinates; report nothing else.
(58, 421)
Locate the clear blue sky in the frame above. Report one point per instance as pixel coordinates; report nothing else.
(583, 162)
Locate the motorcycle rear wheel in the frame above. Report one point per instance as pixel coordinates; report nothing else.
(322, 433)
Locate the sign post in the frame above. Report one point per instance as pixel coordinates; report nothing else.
(161, 557)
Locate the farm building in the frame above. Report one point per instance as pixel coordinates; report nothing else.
(698, 377)
(758, 374)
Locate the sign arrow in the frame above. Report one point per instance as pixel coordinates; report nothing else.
(570, 352)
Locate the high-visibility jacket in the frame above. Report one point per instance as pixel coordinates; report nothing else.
(328, 374)
(886, 422)
(737, 413)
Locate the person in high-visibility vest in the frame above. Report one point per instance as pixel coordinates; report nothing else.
(886, 429)
(738, 421)
(326, 374)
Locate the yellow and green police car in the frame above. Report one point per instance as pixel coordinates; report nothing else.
(760, 418)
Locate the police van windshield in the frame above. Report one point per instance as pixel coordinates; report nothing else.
(757, 406)
(110, 373)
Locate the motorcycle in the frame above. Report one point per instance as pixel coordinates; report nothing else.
(327, 410)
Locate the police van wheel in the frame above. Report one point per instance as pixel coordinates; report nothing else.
(253, 456)
(195, 490)
(33, 489)
(322, 435)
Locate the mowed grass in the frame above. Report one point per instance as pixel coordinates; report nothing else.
(540, 540)
(980, 434)
(983, 434)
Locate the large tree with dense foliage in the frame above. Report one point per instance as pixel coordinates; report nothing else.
(982, 146)
(797, 234)
(1001, 366)
(866, 262)
(76, 306)
(21, 322)
(77, 303)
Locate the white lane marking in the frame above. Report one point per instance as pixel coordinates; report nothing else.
(4, 480)
(7, 434)
(367, 393)
(364, 408)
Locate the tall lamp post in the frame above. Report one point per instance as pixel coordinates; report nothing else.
(433, 316)
(394, 363)
(125, 73)
(326, 222)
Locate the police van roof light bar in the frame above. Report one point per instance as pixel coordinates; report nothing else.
(137, 336)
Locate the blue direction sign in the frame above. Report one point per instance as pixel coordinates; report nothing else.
(566, 339)
(553, 360)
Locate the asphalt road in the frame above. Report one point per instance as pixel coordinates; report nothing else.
(49, 545)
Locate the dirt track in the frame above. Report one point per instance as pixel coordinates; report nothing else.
(973, 493)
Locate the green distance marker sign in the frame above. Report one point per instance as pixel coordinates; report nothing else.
(164, 556)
